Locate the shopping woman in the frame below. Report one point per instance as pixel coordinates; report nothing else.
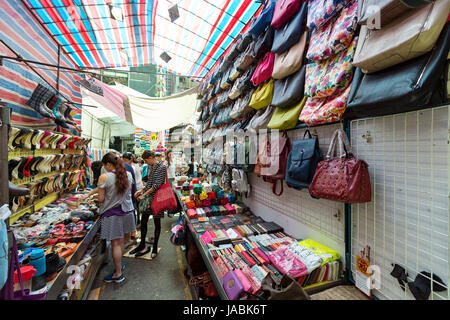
(170, 164)
(156, 177)
(114, 194)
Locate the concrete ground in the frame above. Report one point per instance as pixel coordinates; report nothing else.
(159, 279)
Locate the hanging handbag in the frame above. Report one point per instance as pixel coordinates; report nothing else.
(205, 282)
(263, 44)
(234, 92)
(264, 19)
(324, 110)
(289, 91)
(386, 10)
(286, 118)
(405, 87)
(164, 199)
(343, 179)
(290, 61)
(330, 77)
(335, 36)
(290, 34)
(245, 60)
(245, 81)
(261, 119)
(284, 10)
(285, 288)
(264, 69)
(407, 37)
(302, 162)
(247, 39)
(321, 11)
(241, 107)
(262, 96)
(272, 160)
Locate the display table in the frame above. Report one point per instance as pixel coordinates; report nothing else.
(310, 289)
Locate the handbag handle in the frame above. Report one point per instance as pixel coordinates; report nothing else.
(307, 132)
(339, 137)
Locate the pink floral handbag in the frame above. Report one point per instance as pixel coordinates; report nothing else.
(264, 69)
(335, 36)
(319, 111)
(321, 11)
(330, 77)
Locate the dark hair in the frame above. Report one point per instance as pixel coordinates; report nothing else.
(122, 182)
(127, 156)
(148, 154)
(169, 160)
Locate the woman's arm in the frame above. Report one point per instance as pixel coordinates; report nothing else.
(101, 192)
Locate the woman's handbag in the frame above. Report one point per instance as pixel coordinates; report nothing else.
(291, 32)
(263, 20)
(284, 10)
(385, 10)
(164, 199)
(343, 179)
(319, 111)
(245, 60)
(289, 91)
(264, 69)
(302, 162)
(272, 160)
(335, 36)
(245, 81)
(262, 96)
(409, 36)
(263, 44)
(330, 77)
(286, 118)
(290, 61)
(205, 282)
(261, 119)
(405, 87)
(285, 289)
(241, 107)
(321, 11)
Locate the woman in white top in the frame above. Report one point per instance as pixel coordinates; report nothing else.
(170, 164)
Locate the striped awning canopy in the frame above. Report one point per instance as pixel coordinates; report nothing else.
(124, 33)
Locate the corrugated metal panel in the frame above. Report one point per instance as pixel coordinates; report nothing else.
(408, 220)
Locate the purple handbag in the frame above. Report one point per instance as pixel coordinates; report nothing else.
(7, 292)
(232, 285)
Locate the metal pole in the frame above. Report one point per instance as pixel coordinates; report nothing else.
(57, 71)
(5, 120)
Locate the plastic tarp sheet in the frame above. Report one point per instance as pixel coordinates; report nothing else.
(119, 33)
(158, 114)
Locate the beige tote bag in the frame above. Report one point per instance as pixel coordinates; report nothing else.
(410, 35)
(290, 61)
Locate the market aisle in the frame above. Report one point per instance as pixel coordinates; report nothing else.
(158, 279)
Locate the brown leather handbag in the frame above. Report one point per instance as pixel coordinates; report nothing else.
(272, 160)
(343, 179)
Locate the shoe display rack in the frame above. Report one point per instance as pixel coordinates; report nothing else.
(46, 163)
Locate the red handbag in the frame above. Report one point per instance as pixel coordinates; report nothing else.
(284, 10)
(264, 69)
(272, 160)
(343, 179)
(164, 199)
(211, 195)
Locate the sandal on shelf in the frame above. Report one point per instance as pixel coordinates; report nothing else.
(58, 230)
(78, 229)
(66, 250)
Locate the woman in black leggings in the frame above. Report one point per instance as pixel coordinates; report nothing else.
(156, 177)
